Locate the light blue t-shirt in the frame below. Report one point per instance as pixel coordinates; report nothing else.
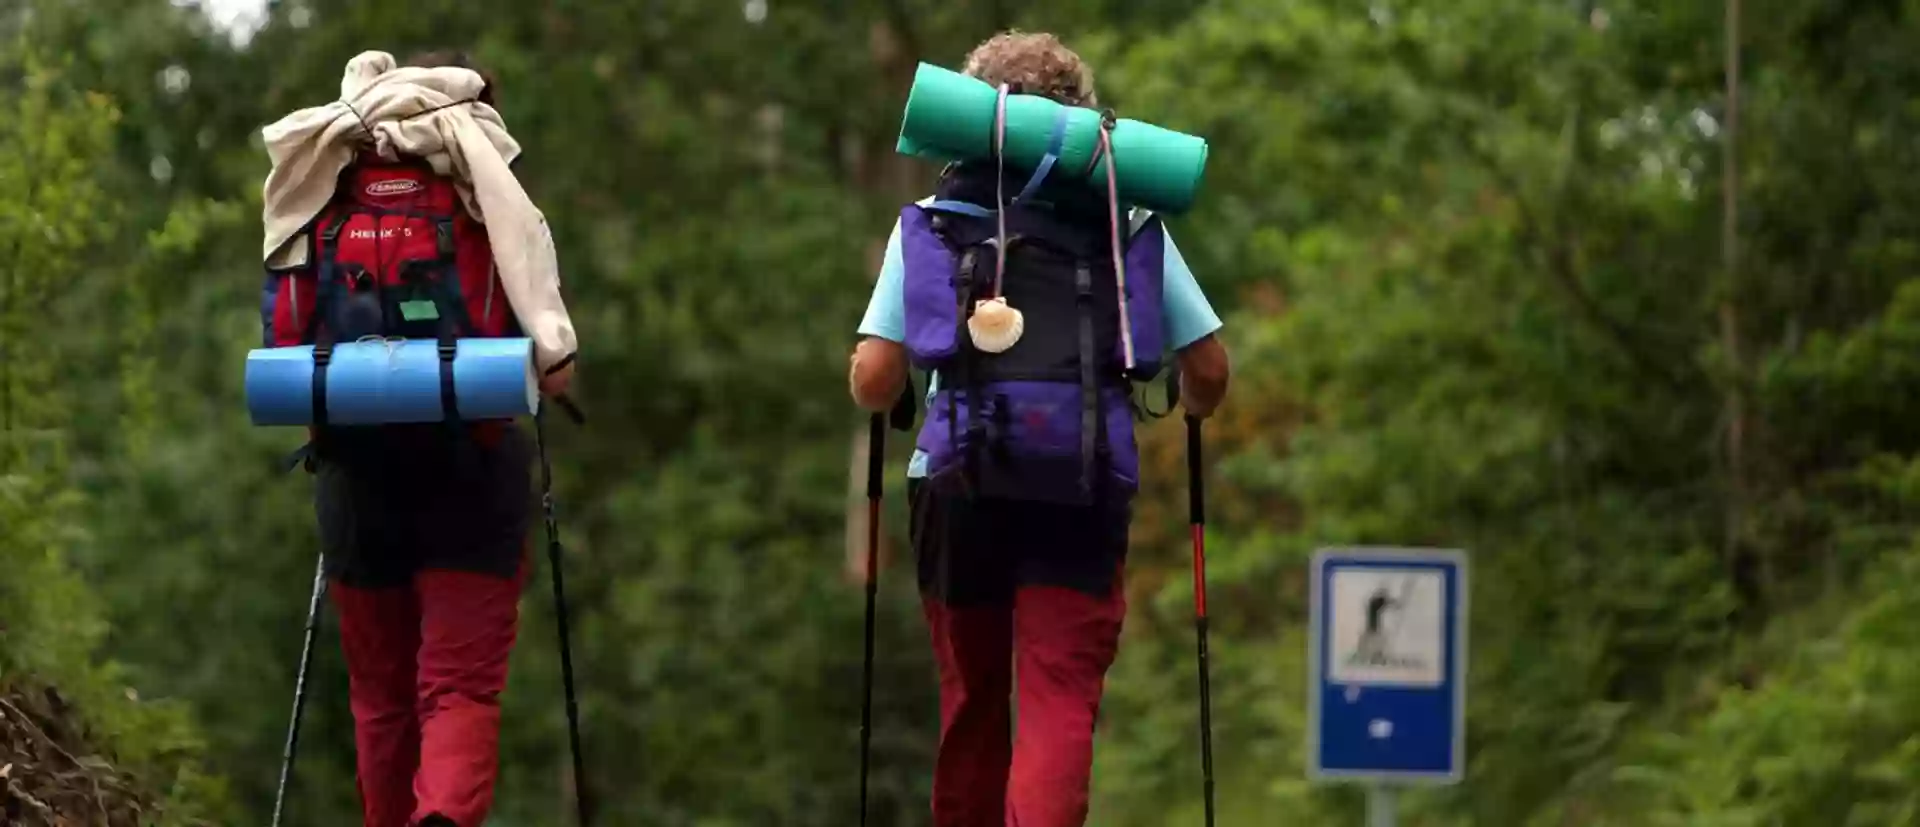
(1185, 315)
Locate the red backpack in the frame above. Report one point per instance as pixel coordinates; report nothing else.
(394, 255)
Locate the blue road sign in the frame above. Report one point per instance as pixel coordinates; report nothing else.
(1387, 665)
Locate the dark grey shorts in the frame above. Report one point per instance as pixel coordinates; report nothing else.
(393, 501)
(980, 551)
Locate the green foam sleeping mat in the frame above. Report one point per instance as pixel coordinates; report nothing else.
(949, 117)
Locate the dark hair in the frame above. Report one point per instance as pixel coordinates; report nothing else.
(455, 58)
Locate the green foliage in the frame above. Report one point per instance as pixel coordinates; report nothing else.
(1488, 230)
(1827, 736)
(54, 209)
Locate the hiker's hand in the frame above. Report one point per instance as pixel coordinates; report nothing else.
(1193, 404)
(557, 383)
(1203, 376)
(877, 371)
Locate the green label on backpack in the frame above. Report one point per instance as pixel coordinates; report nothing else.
(419, 310)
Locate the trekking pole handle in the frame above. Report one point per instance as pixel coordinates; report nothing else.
(876, 453)
(1197, 483)
(572, 410)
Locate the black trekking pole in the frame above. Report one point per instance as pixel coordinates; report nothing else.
(300, 688)
(560, 612)
(900, 418)
(1197, 511)
(876, 456)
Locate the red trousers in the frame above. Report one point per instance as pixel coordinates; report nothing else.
(986, 774)
(427, 662)
(425, 540)
(1027, 595)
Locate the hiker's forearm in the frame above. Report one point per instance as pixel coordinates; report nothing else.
(1204, 369)
(878, 374)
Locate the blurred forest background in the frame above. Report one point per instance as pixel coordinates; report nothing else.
(1473, 256)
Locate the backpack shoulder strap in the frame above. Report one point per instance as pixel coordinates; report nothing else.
(960, 207)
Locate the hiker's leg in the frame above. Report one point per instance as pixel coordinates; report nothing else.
(1067, 618)
(966, 593)
(370, 588)
(473, 534)
(468, 624)
(380, 634)
(973, 648)
(1066, 641)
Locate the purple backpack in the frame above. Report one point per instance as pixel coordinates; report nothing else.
(1051, 417)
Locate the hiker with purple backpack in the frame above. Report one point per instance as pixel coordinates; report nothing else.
(1023, 475)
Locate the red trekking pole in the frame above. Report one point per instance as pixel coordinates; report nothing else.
(1197, 516)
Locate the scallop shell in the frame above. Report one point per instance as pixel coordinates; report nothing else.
(995, 326)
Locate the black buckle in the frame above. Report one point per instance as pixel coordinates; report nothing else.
(303, 457)
(963, 273)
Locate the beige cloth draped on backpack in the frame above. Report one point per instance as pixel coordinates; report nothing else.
(431, 114)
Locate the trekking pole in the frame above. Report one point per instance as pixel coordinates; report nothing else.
(300, 688)
(876, 456)
(560, 611)
(1197, 511)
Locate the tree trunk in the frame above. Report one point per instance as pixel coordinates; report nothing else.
(1738, 490)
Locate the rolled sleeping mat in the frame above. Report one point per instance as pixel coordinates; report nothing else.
(377, 382)
(949, 117)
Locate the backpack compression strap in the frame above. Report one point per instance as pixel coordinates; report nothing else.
(452, 321)
(1090, 418)
(967, 288)
(322, 335)
(1054, 145)
(327, 291)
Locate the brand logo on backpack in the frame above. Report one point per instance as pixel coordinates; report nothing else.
(1036, 417)
(392, 187)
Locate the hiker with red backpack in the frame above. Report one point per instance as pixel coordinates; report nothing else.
(1023, 476)
(393, 213)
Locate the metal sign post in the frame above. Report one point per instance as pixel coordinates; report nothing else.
(1380, 806)
(1387, 667)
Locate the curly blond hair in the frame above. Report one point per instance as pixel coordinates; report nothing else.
(1033, 63)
